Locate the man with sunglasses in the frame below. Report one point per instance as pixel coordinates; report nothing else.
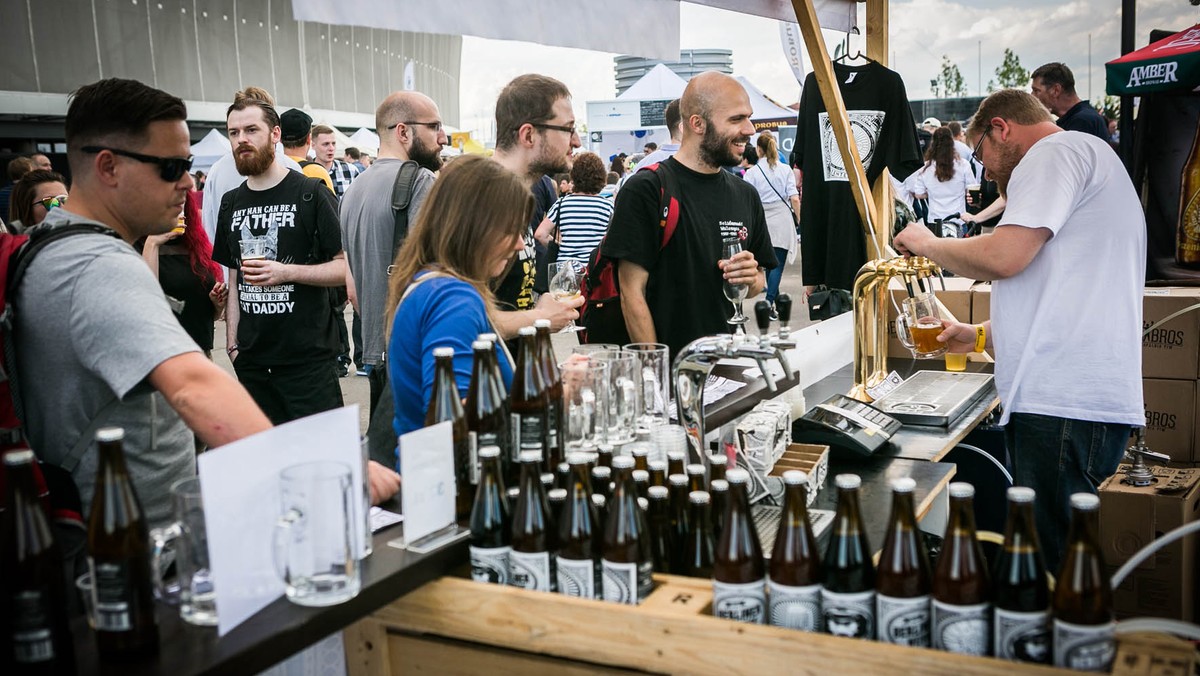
(1068, 260)
(98, 345)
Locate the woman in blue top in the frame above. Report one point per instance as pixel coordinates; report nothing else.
(466, 235)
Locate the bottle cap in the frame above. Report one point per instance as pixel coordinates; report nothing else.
(903, 484)
(622, 462)
(794, 477)
(677, 479)
(529, 456)
(1021, 494)
(541, 323)
(737, 476)
(962, 489)
(548, 479)
(676, 455)
(605, 448)
(563, 467)
(644, 504)
(443, 352)
(490, 337)
(657, 465)
(602, 472)
(106, 434)
(659, 493)
(598, 499)
(699, 497)
(15, 458)
(719, 459)
(720, 485)
(489, 452)
(577, 459)
(1085, 502)
(639, 450)
(557, 494)
(526, 331)
(695, 468)
(481, 345)
(512, 492)
(847, 482)
(641, 475)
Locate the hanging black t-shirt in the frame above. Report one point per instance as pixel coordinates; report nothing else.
(684, 290)
(832, 243)
(515, 291)
(287, 323)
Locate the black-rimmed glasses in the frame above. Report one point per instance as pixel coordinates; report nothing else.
(979, 144)
(435, 126)
(556, 127)
(170, 169)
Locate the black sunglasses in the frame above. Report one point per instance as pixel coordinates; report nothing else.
(978, 145)
(170, 169)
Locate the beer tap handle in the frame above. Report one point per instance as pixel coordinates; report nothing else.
(762, 316)
(783, 307)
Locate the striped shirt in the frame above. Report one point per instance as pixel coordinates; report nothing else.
(583, 222)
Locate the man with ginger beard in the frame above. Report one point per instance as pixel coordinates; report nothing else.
(281, 331)
(673, 294)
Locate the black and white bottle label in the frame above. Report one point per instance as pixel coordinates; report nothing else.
(530, 570)
(576, 577)
(532, 427)
(114, 595)
(1021, 636)
(473, 467)
(490, 564)
(514, 435)
(794, 607)
(1084, 647)
(903, 621)
(962, 629)
(740, 602)
(849, 614)
(32, 641)
(620, 582)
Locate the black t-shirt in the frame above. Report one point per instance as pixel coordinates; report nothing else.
(684, 290)
(1083, 117)
(289, 323)
(515, 291)
(832, 243)
(178, 281)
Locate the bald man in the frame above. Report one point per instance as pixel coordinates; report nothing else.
(673, 294)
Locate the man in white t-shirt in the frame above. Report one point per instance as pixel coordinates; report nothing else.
(1068, 260)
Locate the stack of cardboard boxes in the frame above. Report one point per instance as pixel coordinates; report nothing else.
(1170, 371)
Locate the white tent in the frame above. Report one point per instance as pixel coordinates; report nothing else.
(365, 139)
(767, 113)
(209, 149)
(658, 84)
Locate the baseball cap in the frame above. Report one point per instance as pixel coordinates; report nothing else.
(294, 125)
(931, 122)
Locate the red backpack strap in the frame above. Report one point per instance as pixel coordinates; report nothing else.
(668, 204)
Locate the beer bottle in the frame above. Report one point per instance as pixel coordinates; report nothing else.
(698, 541)
(848, 597)
(1187, 241)
(530, 399)
(626, 563)
(579, 533)
(718, 493)
(902, 579)
(531, 565)
(717, 466)
(37, 635)
(602, 481)
(119, 558)
(491, 522)
(794, 580)
(445, 404)
(641, 456)
(1083, 610)
(739, 573)
(552, 379)
(675, 462)
(604, 456)
(962, 589)
(658, 518)
(511, 494)
(562, 475)
(641, 479)
(696, 477)
(558, 500)
(601, 504)
(487, 411)
(658, 473)
(677, 485)
(1020, 594)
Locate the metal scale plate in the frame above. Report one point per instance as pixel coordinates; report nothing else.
(935, 398)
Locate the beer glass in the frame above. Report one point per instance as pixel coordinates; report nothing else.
(566, 280)
(918, 325)
(193, 587)
(253, 247)
(623, 408)
(314, 541)
(653, 373)
(585, 403)
(588, 349)
(734, 293)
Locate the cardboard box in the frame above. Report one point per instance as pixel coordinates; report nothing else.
(956, 298)
(1173, 349)
(1165, 585)
(981, 302)
(1171, 417)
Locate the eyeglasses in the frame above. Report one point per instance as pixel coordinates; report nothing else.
(556, 127)
(979, 144)
(435, 126)
(51, 202)
(170, 168)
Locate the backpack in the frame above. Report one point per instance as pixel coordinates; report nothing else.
(402, 192)
(601, 316)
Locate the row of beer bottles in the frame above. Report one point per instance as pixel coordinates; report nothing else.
(531, 419)
(34, 584)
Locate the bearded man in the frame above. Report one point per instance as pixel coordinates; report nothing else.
(673, 294)
(278, 234)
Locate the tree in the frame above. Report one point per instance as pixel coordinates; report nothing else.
(1109, 106)
(1009, 73)
(949, 82)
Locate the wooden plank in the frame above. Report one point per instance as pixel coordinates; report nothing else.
(422, 655)
(878, 24)
(649, 639)
(366, 645)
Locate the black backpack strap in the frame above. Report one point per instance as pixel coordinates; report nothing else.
(402, 194)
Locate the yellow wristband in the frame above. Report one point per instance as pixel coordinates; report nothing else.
(980, 338)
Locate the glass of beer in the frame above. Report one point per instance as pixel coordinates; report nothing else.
(976, 195)
(253, 248)
(919, 325)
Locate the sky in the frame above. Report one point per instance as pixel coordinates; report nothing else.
(972, 33)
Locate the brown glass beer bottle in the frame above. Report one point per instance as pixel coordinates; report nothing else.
(1020, 593)
(794, 579)
(119, 558)
(446, 405)
(658, 518)
(848, 595)
(676, 461)
(718, 493)
(962, 588)
(697, 480)
(658, 473)
(677, 485)
(531, 562)
(739, 573)
(552, 378)
(604, 456)
(698, 547)
(1083, 610)
(626, 564)
(1187, 240)
(602, 481)
(641, 480)
(641, 456)
(488, 417)
(902, 578)
(717, 466)
(579, 535)
(530, 399)
(491, 522)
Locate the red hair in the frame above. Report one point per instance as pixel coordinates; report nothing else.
(195, 240)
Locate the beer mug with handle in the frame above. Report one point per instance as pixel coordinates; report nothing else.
(196, 596)
(314, 537)
(918, 324)
(654, 368)
(622, 395)
(585, 403)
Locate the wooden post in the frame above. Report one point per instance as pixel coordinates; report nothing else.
(877, 49)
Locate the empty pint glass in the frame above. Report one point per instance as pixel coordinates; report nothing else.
(314, 537)
(623, 409)
(654, 368)
(585, 403)
(919, 324)
(194, 582)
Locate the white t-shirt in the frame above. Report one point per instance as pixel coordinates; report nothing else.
(1067, 328)
(774, 184)
(964, 152)
(946, 198)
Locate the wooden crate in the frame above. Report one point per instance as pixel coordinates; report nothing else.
(454, 626)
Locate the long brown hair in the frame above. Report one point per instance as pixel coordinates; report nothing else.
(474, 206)
(942, 153)
(768, 148)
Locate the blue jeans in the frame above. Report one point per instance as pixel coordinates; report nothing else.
(1057, 457)
(774, 275)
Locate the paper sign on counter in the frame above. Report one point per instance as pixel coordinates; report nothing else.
(427, 468)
